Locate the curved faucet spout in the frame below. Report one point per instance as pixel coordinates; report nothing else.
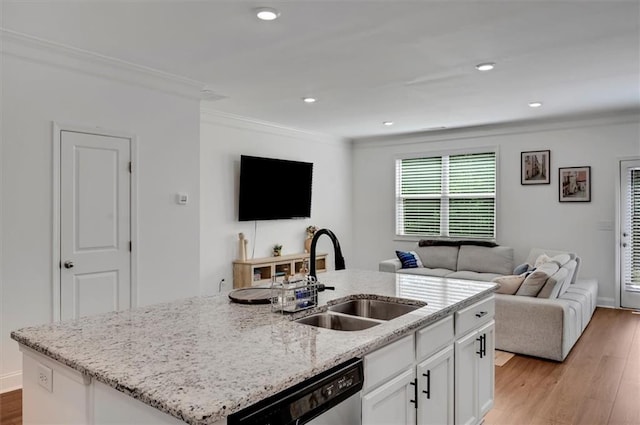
(339, 259)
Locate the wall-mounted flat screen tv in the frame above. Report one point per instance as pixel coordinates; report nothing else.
(272, 189)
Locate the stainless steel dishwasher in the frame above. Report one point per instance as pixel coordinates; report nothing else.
(330, 398)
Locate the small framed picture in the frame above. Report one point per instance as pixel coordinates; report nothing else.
(534, 167)
(575, 184)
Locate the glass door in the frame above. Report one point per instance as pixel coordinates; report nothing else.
(630, 237)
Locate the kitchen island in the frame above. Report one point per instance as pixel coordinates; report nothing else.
(200, 359)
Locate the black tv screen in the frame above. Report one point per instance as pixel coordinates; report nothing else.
(272, 189)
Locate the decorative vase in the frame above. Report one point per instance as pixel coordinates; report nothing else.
(307, 244)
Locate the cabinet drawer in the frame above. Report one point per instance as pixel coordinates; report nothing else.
(434, 337)
(475, 315)
(385, 363)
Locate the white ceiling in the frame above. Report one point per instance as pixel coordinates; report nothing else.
(411, 62)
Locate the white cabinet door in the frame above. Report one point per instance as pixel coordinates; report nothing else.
(466, 379)
(435, 389)
(475, 378)
(393, 403)
(486, 371)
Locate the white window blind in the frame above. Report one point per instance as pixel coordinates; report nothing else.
(447, 196)
(632, 252)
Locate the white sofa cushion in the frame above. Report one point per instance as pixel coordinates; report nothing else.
(497, 260)
(438, 257)
(425, 271)
(468, 275)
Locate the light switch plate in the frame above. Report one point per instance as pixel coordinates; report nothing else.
(45, 377)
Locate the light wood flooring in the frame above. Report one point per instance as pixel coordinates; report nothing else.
(11, 408)
(598, 383)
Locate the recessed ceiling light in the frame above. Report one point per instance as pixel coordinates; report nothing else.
(535, 104)
(488, 66)
(388, 123)
(267, 13)
(309, 99)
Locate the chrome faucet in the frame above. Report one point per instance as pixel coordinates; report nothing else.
(339, 259)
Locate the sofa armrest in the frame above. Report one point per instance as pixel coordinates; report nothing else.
(535, 326)
(391, 266)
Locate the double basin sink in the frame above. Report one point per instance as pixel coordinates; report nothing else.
(357, 315)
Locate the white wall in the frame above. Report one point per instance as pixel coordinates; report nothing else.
(223, 139)
(35, 93)
(528, 216)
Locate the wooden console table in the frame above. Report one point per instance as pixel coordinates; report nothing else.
(260, 270)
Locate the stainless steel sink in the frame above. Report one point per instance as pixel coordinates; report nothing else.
(374, 309)
(337, 322)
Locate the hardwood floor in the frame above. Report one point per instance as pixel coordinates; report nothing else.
(11, 408)
(598, 383)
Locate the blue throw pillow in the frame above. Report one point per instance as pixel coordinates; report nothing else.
(522, 268)
(409, 259)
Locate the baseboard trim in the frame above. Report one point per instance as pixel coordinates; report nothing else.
(10, 381)
(606, 302)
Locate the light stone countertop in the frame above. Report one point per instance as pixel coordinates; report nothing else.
(201, 359)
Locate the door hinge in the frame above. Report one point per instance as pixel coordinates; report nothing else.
(130, 246)
(130, 167)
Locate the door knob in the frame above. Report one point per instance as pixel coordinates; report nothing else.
(68, 264)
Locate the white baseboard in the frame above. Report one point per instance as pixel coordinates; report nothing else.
(606, 302)
(11, 381)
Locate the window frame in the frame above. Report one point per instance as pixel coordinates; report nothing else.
(441, 153)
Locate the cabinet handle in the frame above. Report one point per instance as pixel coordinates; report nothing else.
(481, 313)
(415, 392)
(484, 345)
(428, 390)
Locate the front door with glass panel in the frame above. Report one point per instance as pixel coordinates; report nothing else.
(630, 237)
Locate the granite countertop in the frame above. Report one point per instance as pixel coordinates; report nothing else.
(201, 359)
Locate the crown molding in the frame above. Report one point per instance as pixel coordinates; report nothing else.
(598, 119)
(55, 54)
(213, 116)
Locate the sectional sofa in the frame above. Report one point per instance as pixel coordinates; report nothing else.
(544, 320)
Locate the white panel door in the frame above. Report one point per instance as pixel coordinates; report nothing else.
(95, 266)
(630, 238)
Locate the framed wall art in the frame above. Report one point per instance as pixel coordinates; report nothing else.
(534, 167)
(575, 184)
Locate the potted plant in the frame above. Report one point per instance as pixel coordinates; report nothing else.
(277, 250)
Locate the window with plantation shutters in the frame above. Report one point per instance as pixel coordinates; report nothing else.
(447, 196)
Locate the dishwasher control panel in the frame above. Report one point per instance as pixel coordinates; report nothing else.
(307, 400)
(325, 393)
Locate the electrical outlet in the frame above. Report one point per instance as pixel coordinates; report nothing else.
(45, 377)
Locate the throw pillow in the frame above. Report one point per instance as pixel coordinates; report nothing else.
(536, 280)
(561, 259)
(509, 285)
(542, 258)
(409, 259)
(522, 268)
(551, 289)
